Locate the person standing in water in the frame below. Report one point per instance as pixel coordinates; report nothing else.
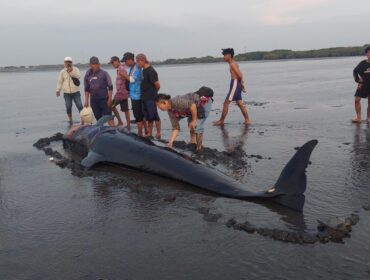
(98, 90)
(121, 97)
(237, 86)
(361, 75)
(71, 91)
(149, 90)
(134, 90)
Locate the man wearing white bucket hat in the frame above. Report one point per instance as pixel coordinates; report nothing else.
(68, 81)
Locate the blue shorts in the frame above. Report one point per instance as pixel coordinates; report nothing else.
(201, 122)
(100, 107)
(235, 92)
(150, 110)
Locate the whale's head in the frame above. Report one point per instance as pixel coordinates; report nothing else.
(80, 138)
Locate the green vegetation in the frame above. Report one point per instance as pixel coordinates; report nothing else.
(250, 56)
(276, 54)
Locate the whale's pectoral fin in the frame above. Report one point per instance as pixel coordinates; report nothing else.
(103, 120)
(91, 159)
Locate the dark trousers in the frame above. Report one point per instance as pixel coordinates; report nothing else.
(100, 107)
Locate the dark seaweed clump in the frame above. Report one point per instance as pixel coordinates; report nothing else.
(332, 231)
(44, 142)
(63, 162)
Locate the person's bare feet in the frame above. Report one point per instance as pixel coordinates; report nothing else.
(356, 120)
(199, 151)
(219, 122)
(148, 135)
(128, 127)
(120, 124)
(158, 136)
(247, 122)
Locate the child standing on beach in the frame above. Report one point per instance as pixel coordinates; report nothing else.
(237, 86)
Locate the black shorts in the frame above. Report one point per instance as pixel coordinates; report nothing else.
(150, 110)
(362, 93)
(137, 109)
(123, 104)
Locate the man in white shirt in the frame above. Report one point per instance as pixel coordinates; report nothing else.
(68, 81)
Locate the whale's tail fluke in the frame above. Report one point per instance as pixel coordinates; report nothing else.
(291, 185)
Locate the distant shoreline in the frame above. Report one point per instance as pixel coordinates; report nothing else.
(275, 55)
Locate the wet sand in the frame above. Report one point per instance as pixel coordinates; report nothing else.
(124, 224)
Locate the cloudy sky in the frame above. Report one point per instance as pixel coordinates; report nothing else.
(44, 31)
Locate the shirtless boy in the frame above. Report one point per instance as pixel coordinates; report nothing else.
(237, 86)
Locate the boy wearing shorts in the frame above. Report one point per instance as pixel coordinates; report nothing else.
(237, 86)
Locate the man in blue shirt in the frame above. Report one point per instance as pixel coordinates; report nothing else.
(134, 90)
(98, 89)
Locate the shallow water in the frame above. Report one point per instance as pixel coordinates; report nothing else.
(116, 224)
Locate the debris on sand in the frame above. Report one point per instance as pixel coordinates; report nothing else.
(207, 216)
(337, 229)
(366, 207)
(203, 210)
(233, 160)
(169, 198)
(212, 218)
(332, 231)
(43, 142)
(61, 161)
(254, 103)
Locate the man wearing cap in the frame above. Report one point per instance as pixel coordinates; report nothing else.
(121, 97)
(134, 90)
(98, 89)
(71, 91)
(149, 87)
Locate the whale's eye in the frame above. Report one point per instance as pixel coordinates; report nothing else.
(271, 190)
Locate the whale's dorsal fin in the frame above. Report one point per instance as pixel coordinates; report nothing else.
(91, 159)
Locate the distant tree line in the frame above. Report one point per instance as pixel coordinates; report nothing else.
(275, 54)
(249, 56)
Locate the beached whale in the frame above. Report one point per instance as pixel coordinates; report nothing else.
(106, 144)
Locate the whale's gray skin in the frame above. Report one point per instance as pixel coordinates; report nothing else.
(106, 144)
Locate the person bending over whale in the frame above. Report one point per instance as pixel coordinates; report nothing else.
(193, 106)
